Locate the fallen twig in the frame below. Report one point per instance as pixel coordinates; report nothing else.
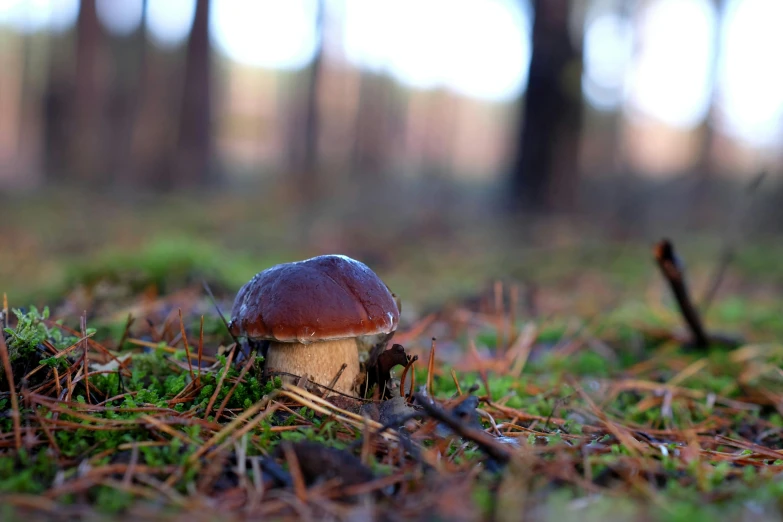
(486, 442)
(673, 273)
(9, 377)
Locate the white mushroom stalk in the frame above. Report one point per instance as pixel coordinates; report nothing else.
(321, 362)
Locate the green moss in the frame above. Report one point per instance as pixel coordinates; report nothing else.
(111, 500)
(26, 473)
(24, 341)
(705, 490)
(167, 262)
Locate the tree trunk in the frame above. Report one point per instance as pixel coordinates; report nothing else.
(371, 144)
(545, 168)
(127, 96)
(705, 167)
(56, 128)
(86, 156)
(28, 135)
(156, 120)
(303, 131)
(194, 146)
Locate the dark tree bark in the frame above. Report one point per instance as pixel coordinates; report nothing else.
(127, 91)
(156, 117)
(703, 209)
(545, 168)
(372, 131)
(705, 166)
(86, 160)
(57, 112)
(55, 122)
(304, 128)
(194, 146)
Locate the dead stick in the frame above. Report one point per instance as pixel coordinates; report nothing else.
(672, 272)
(219, 383)
(242, 373)
(405, 374)
(499, 318)
(220, 313)
(431, 367)
(336, 378)
(413, 383)
(456, 382)
(486, 442)
(296, 472)
(512, 313)
(187, 347)
(9, 376)
(85, 359)
(5, 310)
(200, 349)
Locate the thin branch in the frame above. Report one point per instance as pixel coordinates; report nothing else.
(486, 442)
(187, 347)
(673, 273)
(219, 312)
(9, 376)
(336, 378)
(431, 367)
(200, 349)
(219, 383)
(85, 358)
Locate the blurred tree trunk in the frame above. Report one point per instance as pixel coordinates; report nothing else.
(12, 84)
(86, 160)
(372, 140)
(129, 81)
(705, 165)
(304, 128)
(194, 146)
(28, 134)
(705, 168)
(155, 122)
(545, 168)
(56, 131)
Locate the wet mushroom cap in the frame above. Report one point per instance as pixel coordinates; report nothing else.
(323, 298)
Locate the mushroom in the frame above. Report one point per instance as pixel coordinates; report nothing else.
(316, 315)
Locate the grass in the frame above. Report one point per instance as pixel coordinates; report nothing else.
(596, 408)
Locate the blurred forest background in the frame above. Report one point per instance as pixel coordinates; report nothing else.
(643, 115)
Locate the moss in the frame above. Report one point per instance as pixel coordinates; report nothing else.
(694, 490)
(25, 340)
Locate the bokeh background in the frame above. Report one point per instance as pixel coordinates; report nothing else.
(382, 129)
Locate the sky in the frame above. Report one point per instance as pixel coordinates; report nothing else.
(660, 64)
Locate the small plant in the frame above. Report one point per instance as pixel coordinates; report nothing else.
(30, 329)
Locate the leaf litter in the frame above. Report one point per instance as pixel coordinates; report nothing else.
(514, 415)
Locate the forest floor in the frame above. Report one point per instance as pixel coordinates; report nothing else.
(561, 384)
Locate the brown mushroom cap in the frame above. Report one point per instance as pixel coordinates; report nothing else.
(319, 299)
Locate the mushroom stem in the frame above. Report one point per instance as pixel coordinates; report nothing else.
(320, 361)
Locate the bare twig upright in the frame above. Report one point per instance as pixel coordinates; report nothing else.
(673, 273)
